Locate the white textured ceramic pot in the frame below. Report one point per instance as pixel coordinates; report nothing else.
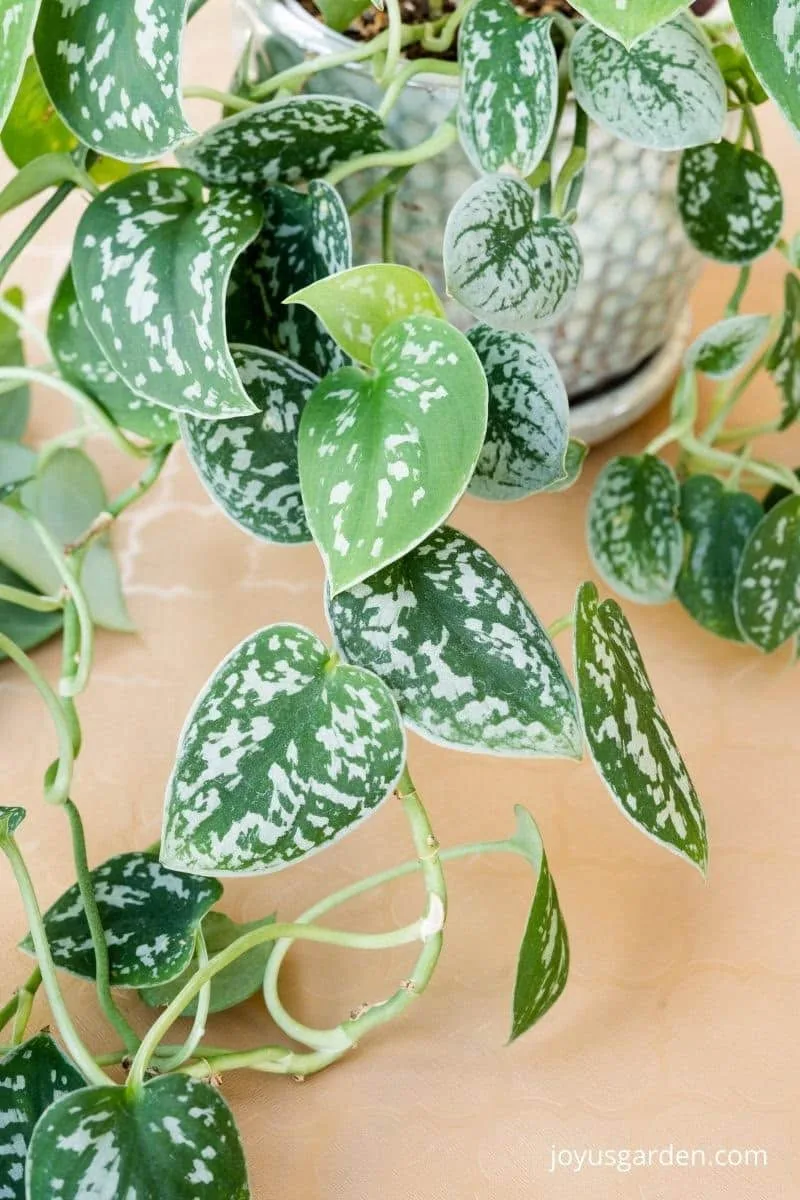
(621, 343)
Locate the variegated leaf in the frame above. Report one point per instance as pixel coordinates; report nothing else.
(283, 753)
(635, 536)
(356, 306)
(306, 236)
(577, 453)
(767, 596)
(175, 1137)
(113, 72)
(285, 141)
(528, 429)
(628, 20)
(32, 1077)
(150, 917)
(667, 92)
(17, 20)
(151, 264)
(456, 642)
(724, 348)
(384, 458)
(718, 523)
(507, 267)
(10, 821)
(730, 201)
(249, 464)
(14, 405)
(770, 32)
(26, 627)
(543, 964)
(784, 358)
(509, 87)
(629, 739)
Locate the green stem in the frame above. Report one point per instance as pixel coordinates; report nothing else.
(734, 304)
(226, 99)
(23, 322)
(32, 228)
(183, 1053)
(731, 399)
(104, 520)
(387, 227)
(30, 987)
(418, 66)
(439, 42)
(559, 626)
(75, 680)
(439, 141)
(570, 181)
(58, 790)
(70, 654)
(42, 604)
(394, 44)
(718, 459)
(389, 182)
(746, 433)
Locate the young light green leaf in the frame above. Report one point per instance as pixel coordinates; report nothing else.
(283, 753)
(543, 964)
(10, 821)
(356, 306)
(718, 523)
(235, 983)
(628, 20)
(783, 362)
(14, 405)
(730, 201)
(37, 176)
(414, 430)
(528, 429)
(635, 537)
(577, 453)
(81, 361)
(174, 1139)
(32, 1077)
(17, 19)
(456, 642)
(151, 265)
(770, 32)
(723, 349)
(767, 596)
(306, 236)
(150, 916)
(249, 464)
(113, 72)
(505, 266)
(285, 141)
(630, 742)
(24, 626)
(338, 14)
(509, 87)
(666, 92)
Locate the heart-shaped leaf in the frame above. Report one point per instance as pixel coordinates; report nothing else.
(667, 92)
(175, 1138)
(724, 348)
(630, 742)
(249, 464)
(150, 916)
(285, 141)
(414, 432)
(628, 20)
(770, 32)
(458, 645)
(509, 87)
(730, 201)
(718, 523)
(17, 19)
(24, 626)
(543, 963)
(635, 536)
(10, 821)
(784, 358)
(306, 236)
(577, 453)
(338, 14)
(151, 265)
(113, 72)
(81, 361)
(507, 267)
(528, 427)
(14, 405)
(235, 983)
(283, 753)
(767, 596)
(32, 1077)
(356, 306)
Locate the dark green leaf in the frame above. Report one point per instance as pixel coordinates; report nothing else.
(777, 493)
(338, 14)
(14, 405)
(770, 31)
(784, 358)
(23, 625)
(730, 201)
(724, 348)
(767, 596)
(17, 19)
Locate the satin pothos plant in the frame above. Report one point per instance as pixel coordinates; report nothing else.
(215, 303)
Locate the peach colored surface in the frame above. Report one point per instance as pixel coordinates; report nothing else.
(679, 1024)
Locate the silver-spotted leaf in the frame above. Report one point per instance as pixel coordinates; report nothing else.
(14, 405)
(284, 752)
(629, 739)
(628, 20)
(249, 464)
(730, 201)
(527, 433)
(174, 1139)
(543, 963)
(767, 595)
(456, 642)
(151, 264)
(507, 267)
(723, 349)
(783, 362)
(150, 916)
(26, 627)
(113, 72)
(17, 20)
(306, 236)
(718, 523)
(285, 141)
(385, 458)
(32, 1077)
(82, 362)
(666, 92)
(577, 453)
(10, 821)
(770, 33)
(634, 532)
(509, 87)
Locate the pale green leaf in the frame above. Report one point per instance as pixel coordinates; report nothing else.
(17, 19)
(17, 463)
(24, 626)
(37, 176)
(577, 453)
(770, 32)
(730, 201)
(284, 752)
(628, 20)
(767, 596)
(15, 404)
(338, 14)
(724, 348)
